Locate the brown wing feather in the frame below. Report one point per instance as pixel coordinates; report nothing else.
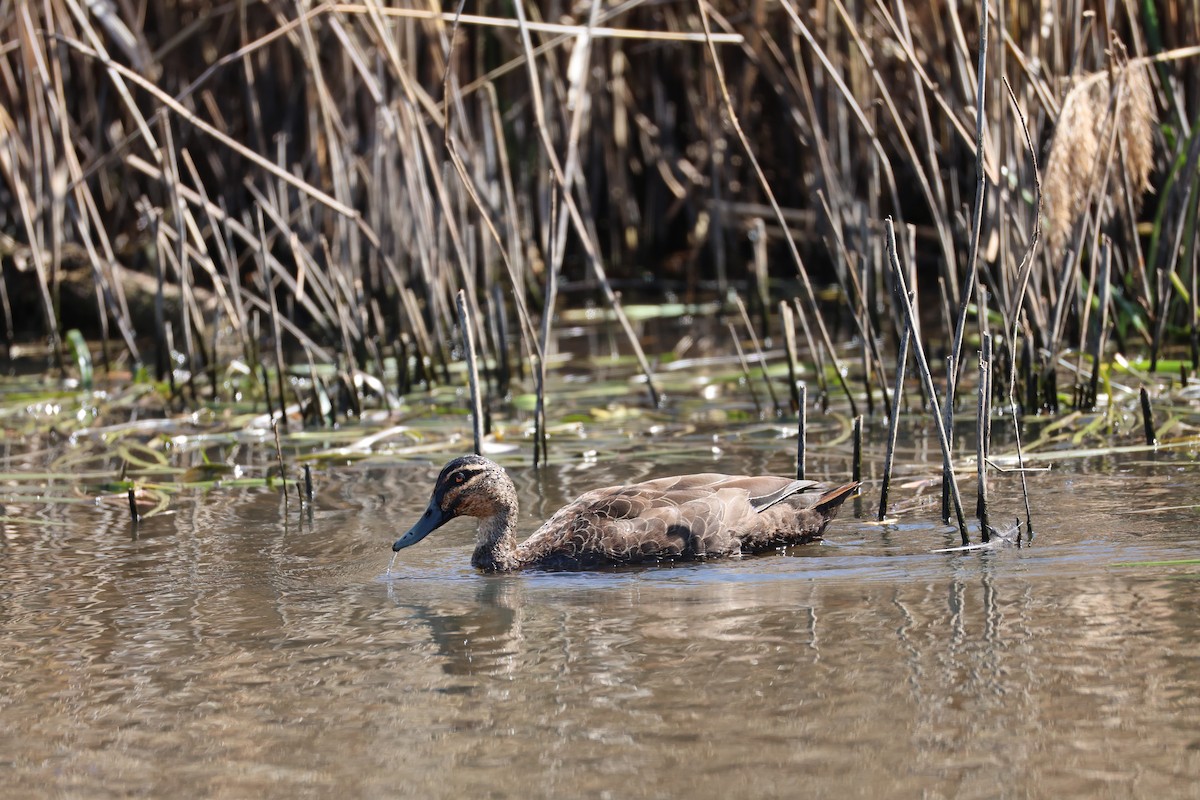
(681, 517)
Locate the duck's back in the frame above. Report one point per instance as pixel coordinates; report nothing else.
(685, 517)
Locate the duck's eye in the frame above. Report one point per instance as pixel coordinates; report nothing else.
(458, 477)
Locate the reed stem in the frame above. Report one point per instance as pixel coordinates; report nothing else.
(467, 326)
(923, 368)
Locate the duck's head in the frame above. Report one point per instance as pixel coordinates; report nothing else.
(470, 486)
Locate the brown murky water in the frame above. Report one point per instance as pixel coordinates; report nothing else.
(235, 649)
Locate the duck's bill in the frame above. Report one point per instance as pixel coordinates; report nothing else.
(430, 521)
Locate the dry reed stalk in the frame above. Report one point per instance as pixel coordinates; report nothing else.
(1027, 261)
(972, 271)
(758, 352)
(168, 101)
(801, 270)
(934, 198)
(1099, 334)
(467, 325)
(982, 428)
(801, 432)
(741, 355)
(541, 454)
(279, 451)
(1074, 167)
(856, 456)
(923, 368)
(789, 340)
(582, 228)
(894, 419)
(1147, 418)
(815, 350)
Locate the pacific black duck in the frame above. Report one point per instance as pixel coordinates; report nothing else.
(668, 519)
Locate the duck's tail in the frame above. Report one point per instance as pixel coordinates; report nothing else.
(828, 503)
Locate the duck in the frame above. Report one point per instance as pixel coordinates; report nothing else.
(683, 518)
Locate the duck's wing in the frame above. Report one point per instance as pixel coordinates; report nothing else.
(793, 517)
(683, 517)
(762, 502)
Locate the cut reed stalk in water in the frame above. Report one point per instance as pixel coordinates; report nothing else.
(856, 459)
(276, 339)
(1026, 268)
(923, 368)
(948, 426)
(801, 431)
(1100, 332)
(134, 515)
(983, 414)
(308, 483)
(894, 420)
(1147, 418)
(279, 457)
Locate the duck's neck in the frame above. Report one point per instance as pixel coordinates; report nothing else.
(496, 547)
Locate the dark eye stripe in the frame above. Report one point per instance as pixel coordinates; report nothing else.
(468, 473)
(452, 491)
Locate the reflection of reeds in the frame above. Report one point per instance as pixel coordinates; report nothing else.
(1077, 163)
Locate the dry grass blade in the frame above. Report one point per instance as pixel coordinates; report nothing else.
(539, 27)
(209, 129)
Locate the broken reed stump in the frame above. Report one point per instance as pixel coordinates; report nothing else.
(984, 412)
(894, 421)
(1147, 419)
(856, 462)
(1098, 338)
(801, 431)
(927, 377)
(279, 458)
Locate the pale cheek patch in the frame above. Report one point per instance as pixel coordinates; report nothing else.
(473, 506)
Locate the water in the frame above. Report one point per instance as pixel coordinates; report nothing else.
(238, 648)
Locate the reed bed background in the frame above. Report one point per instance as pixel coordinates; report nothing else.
(278, 184)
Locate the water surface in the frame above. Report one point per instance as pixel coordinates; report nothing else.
(238, 647)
